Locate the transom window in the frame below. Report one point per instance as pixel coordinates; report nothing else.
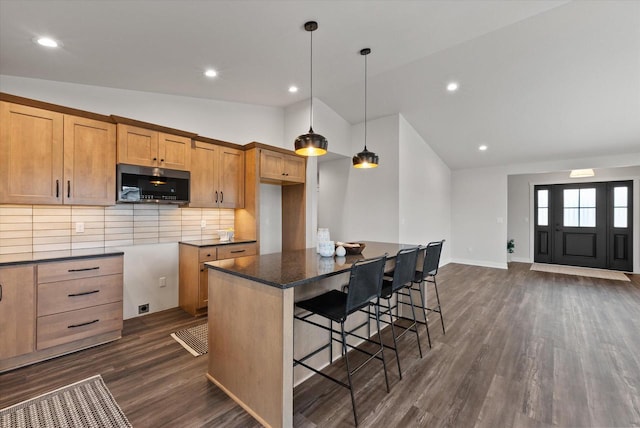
(579, 207)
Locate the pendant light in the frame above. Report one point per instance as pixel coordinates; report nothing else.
(311, 144)
(365, 159)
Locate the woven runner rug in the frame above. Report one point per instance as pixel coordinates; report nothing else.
(194, 339)
(86, 404)
(581, 271)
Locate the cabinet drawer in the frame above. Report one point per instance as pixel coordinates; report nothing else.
(207, 254)
(70, 326)
(55, 297)
(236, 250)
(83, 268)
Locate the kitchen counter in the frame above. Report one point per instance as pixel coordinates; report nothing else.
(252, 339)
(217, 242)
(294, 268)
(55, 256)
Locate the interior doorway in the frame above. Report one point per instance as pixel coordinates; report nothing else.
(584, 224)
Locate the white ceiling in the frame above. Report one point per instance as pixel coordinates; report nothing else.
(540, 80)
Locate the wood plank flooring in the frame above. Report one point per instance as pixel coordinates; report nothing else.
(522, 349)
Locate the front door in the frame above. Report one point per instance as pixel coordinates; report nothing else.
(584, 224)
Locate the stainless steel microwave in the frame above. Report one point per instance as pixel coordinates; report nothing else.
(146, 184)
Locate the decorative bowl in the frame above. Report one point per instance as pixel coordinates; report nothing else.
(353, 248)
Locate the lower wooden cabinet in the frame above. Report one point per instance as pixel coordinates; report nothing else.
(193, 274)
(52, 308)
(17, 311)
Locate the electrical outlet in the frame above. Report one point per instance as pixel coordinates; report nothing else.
(203, 223)
(163, 281)
(79, 227)
(143, 309)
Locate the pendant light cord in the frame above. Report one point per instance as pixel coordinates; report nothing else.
(311, 79)
(365, 103)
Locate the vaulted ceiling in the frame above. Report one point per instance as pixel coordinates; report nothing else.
(539, 80)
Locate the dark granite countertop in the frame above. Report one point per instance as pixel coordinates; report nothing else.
(217, 242)
(55, 256)
(298, 267)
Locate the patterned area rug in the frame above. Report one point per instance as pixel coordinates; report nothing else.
(87, 403)
(194, 339)
(581, 271)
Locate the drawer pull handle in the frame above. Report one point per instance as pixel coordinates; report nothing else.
(84, 269)
(84, 323)
(83, 294)
(238, 251)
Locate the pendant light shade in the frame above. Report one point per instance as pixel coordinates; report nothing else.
(311, 144)
(365, 159)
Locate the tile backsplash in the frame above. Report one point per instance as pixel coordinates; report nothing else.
(32, 228)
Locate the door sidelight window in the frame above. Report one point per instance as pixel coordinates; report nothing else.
(620, 206)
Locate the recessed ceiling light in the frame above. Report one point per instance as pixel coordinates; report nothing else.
(211, 73)
(47, 41)
(452, 86)
(483, 147)
(293, 89)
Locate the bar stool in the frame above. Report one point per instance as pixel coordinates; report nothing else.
(365, 285)
(401, 278)
(427, 275)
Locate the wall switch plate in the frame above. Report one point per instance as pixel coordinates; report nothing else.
(79, 227)
(163, 281)
(203, 223)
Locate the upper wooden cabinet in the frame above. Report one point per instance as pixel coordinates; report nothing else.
(145, 147)
(217, 176)
(52, 158)
(282, 167)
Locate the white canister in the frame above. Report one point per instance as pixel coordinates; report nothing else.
(327, 248)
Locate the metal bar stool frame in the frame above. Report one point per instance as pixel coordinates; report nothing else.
(355, 299)
(402, 277)
(428, 274)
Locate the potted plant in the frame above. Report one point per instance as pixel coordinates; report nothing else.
(511, 245)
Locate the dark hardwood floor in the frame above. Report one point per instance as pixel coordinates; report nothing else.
(522, 349)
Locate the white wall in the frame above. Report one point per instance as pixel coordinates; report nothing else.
(425, 192)
(335, 129)
(234, 122)
(479, 217)
(332, 193)
(270, 218)
(143, 266)
(371, 206)
(520, 205)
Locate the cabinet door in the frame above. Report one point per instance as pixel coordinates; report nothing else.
(204, 175)
(271, 165)
(294, 169)
(17, 311)
(174, 152)
(231, 178)
(89, 162)
(137, 146)
(30, 155)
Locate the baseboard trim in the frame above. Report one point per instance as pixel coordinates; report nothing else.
(482, 263)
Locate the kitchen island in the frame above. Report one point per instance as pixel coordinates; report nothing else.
(252, 340)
